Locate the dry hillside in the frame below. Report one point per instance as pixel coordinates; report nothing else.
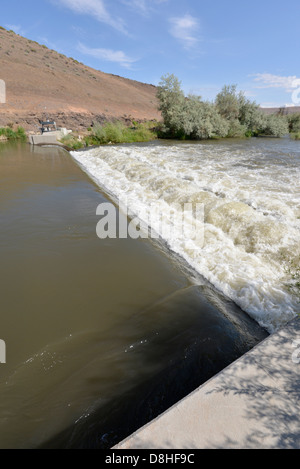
(284, 110)
(40, 80)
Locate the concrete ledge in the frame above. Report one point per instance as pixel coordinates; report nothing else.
(252, 404)
(45, 139)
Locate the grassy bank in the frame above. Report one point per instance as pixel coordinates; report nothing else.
(116, 132)
(7, 133)
(295, 136)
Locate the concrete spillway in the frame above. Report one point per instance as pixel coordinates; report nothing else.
(252, 404)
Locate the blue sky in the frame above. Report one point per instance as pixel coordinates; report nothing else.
(205, 44)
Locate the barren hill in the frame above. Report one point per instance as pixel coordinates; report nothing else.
(283, 110)
(41, 81)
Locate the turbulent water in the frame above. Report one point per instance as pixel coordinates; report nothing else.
(250, 191)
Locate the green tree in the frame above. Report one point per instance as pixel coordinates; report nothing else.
(294, 122)
(276, 126)
(228, 103)
(187, 117)
(171, 103)
(231, 115)
(201, 120)
(250, 115)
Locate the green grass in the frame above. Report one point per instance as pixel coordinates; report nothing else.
(72, 141)
(11, 134)
(295, 136)
(118, 133)
(115, 132)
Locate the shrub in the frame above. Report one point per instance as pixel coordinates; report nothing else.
(10, 134)
(72, 141)
(227, 103)
(115, 132)
(294, 122)
(172, 100)
(231, 115)
(295, 136)
(244, 116)
(276, 126)
(21, 134)
(251, 116)
(187, 117)
(237, 130)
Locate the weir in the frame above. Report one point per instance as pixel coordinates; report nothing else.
(123, 333)
(249, 191)
(110, 332)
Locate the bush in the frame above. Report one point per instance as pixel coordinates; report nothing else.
(295, 136)
(250, 116)
(115, 132)
(227, 103)
(187, 117)
(10, 134)
(237, 130)
(275, 126)
(231, 115)
(244, 116)
(294, 122)
(21, 134)
(72, 141)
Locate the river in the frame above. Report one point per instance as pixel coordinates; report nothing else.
(102, 335)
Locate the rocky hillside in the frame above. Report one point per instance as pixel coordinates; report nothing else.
(41, 81)
(284, 110)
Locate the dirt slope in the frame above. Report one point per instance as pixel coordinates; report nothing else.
(284, 110)
(39, 79)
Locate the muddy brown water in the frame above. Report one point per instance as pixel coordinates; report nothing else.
(101, 335)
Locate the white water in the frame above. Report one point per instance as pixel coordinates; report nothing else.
(250, 190)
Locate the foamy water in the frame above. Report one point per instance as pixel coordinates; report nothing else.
(250, 191)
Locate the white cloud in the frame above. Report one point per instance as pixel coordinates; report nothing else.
(143, 7)
(267, 80)
(184, 29)
(97, 9)
(108, 55)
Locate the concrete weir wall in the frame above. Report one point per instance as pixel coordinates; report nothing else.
(252, 404)
(48, 138)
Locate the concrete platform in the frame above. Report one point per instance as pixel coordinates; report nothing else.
(45, 139)
(252, 404)
(49, 138)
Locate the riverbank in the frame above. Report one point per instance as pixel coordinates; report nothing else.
(252, 404)
(8, 133)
